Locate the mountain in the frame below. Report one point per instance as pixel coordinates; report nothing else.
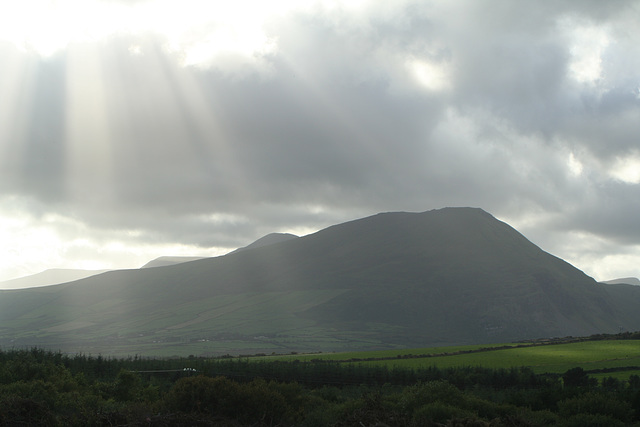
(625, 280)
(48, 277)
(448, 276)
(164, 261)
(269, 239)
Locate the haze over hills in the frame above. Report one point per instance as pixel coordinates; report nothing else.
(48, 277)
(164, 261)
(624, 280)
(269, 239)
(449, 276)
(56, 276)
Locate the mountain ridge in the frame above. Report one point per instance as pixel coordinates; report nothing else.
(164, 261)
(623, 280)
(49, 277)
(269, 239)
(395, 279)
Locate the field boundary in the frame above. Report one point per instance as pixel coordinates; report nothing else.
(558, 341)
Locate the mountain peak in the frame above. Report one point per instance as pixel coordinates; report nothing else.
(440, 277)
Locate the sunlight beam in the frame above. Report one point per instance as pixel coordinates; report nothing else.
(16, 87)
(88, 137)
(208, 142)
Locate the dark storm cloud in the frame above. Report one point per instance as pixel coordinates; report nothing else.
(256, 141)
(614, 214)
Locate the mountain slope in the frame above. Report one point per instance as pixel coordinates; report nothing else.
(164, 261)
(454, 275)
(52, 276)
(269, 239)
(449, 276)
(625, 280)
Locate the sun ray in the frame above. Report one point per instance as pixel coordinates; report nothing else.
(88, 134)
(189, 135)
(16, 87)
(350, 121)
(209, 142)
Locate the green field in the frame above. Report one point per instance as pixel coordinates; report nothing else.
(548, 358)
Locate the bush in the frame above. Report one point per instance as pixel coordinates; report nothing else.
(539, 418)
(577, 377)
(369, 410)
(592, 420)
(439, 412)
(596, 404)
(16, 410)
(417, 396)
(490, 410)
(255, 402)
(261, 403)
(320, 413)
(127, 387)
(204, 394)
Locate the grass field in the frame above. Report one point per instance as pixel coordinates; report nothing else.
(549, 358)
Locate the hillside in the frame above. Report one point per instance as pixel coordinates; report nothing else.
(269, 239)
(164, 261)
(49, 277)
(624, 281)
(449, 276)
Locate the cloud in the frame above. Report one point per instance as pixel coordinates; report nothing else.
(202, 129)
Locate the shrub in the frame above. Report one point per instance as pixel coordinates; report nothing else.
(490, 410)
(257, 402)
(596, 404)
(634, 382)
(262, 403)
(539, 418)
(204, 394)
(592, 420)
(127, 386)
(369, 410)
(38, 390)
(439, 412)
(320, 413)
(421, 394)
(16, 410)
(577, 377)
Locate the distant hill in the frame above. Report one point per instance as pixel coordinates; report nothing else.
(625, 280)
(169, 260)
(448, 276)
(269, 239)
(48, 277)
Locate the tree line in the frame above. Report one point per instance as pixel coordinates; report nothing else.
(39, 387)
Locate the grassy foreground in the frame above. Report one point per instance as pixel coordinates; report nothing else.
(339, 390)
(616, 358)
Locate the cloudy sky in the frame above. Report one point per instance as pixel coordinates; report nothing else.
(135, 129)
